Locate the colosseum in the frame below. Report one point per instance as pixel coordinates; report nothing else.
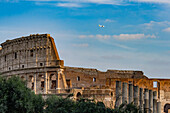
(36, 60)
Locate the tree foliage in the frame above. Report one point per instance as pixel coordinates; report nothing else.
(15, 97)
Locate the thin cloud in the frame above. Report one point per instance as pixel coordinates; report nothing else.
(98, 36)
(120, 37)
(109, 20)
(111, 2)
(103, 36)
(80, 45)
(68, 5)
(167, 29)
(151, 24)
(152, 1)
(132, 36)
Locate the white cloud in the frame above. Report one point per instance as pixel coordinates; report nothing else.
(103, 36)
(120, 37)
(167, 29)
(80, 45)
(83, 36)
(109, 20)
(151, 24)
(98, 36)
(152, 1)
(132, 36)
(68, 5)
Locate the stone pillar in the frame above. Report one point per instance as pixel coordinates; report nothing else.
(58, 82)
(35, 83)
(136, 95)
(141, 100)
(154, 102)
(146, 99)
(118, 94)
(158, 107)
(49, 83)
(38, 86)
(45, 83)
(29, 82)
(124, 92)
(150, 101)
(130, 93)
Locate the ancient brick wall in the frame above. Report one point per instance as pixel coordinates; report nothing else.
(27, 52)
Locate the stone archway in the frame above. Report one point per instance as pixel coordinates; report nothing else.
(30, 82)
(40, 83)
(78, 95)
(166, 108)
(52, 81)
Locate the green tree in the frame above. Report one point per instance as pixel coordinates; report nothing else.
(56, 104)
(17, 98)
(127, 108)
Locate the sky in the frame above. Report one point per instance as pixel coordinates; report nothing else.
(136, 35)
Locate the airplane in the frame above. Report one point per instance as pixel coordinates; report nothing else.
(101, 25)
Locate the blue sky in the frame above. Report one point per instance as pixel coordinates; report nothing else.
(136, 35)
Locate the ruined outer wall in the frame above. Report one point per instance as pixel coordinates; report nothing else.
(34, 58)
(87, 76)
(28, 52)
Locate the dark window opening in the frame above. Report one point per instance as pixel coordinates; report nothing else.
(15, 55)
(68, 83)
(22, 66)
(5, 58)
(32, 86)
(53, 85)
(94, 79)
(41, 64)
(78, 95)
(166, 108)
(42, 85)
(31, 53)
(130, 82)
(111, 94)
(9, 68)
(78, 78)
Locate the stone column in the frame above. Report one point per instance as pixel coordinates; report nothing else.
(45, 83)
(124, 92)
(29, 82)
(154, 102)
(49, 83)
(118, 94)
(38, 85)
(35, 83)
(58, 82)
(146, 99)
(150, 101)
(136, 95)
(130, 93)
(141, 100)
(158, 107)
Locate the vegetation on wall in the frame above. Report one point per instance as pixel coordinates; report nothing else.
(15, 97)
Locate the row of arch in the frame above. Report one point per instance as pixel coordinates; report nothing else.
(40, 80)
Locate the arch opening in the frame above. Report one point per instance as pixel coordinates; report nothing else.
(166, 108)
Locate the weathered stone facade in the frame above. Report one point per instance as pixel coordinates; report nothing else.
(35, 59)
